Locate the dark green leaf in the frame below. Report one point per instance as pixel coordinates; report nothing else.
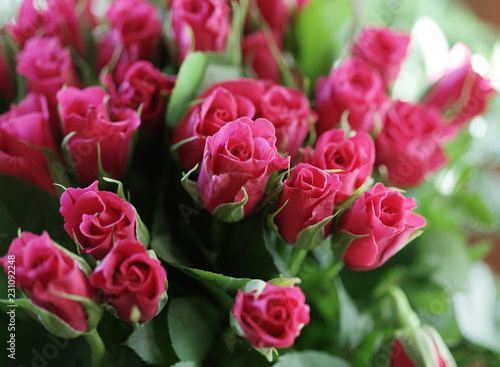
(310, 358)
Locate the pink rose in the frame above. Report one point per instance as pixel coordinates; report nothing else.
(258, 55)
(461, 94)
(47, 67)
(85, 114)
(309, 195)
(241, 155)
(200, 25)
(220, 104)
(95, 219)
(66, 20)
(143, 86)
(382, 48)
(384, 217)
(354, 87)
(274, 13)
(130, 279)
(24, 130)
(138, 24)
(45, 273)
(410, 143)
(355, 156)
(271, 317)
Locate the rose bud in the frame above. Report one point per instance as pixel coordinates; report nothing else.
(274, 13)
(354, 87)
(66, 20)
(200, 25)
(59, 292)
(258, 55)
(139, 26)
(221, 103)
(95, 219)
(24, 132)
(47, 67)
(307, 199)
(355, 156)
(132, 281)
(422, 346)
(384, 49)
(237, 163)
(289, 111)
(382, 220)
(461, 94)
(269, 316)
(89, 129)
(410, 143)
(143, 86)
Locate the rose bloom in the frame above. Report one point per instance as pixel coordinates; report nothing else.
(272, 318)
(65, 20)
(129, 278)
(354, 87)
(241, 155)
(44, 271)
(274, 13)
(355, 156)
(384, 49)
(143, 86)
(461, 94)
(287, 108)
(138, 24)
(95, 219)
(85, 114)
(309, 195)
(410, 143)
(258, 55)
(200, 25)
(6, 80)
(47, 67)
(384, 217)
(24, 130)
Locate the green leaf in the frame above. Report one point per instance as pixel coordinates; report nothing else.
(319, 35)
(27, 207)
(151, 342)
(192, 324)
(473, 211)
(232, 212)
(310, 358)
(186, 87)
(185, 364)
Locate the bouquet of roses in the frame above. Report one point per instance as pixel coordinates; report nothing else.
(234, 147)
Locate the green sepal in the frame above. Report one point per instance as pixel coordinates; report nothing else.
(341, 241)
(231, 212)
(285, 282)
(312, 236)
(191, 186)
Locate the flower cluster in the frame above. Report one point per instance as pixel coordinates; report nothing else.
(137, 94)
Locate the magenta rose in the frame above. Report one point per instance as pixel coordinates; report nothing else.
(461, 94)
(384, 49)
(410, 143)
(96, 219)
(270, 316)
(47, 67)
(307, 199)
(24, 131)
(139, 26)
(353, 87)
(143, 86)
(84, 114)
(355, 156)
(384, 217)
(46, 274)
(241, 155)
(129, 280)
(66, 20)
(258, 55)
(220, 104)
(274, 13)
(200, 25)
